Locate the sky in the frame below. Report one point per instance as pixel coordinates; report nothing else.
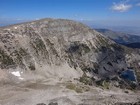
(104, 12)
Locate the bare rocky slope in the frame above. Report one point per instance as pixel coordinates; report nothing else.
(64, 50)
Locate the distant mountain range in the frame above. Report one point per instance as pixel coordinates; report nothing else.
(128, 40)
(133, 45)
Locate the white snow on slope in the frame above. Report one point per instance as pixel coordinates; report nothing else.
(17, 74)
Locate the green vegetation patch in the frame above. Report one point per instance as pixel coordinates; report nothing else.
(138, 76)
(5, 59)
(85, 48)
(23, 52)
(31, 67)
(103, 42)
(86, 80)
(40, 44)
(20, 53)
(39, 47)
(77, 88)
(79, 48)
(103, 83)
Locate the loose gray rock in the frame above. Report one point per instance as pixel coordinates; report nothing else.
(41, 104)
(53, 103)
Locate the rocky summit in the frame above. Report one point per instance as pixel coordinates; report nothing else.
(63, 62)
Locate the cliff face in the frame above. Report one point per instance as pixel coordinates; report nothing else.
(62, 49)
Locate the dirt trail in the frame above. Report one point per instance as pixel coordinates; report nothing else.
(34, 93)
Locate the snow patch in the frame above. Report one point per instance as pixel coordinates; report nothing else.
(17, 74)
(15, 27)
(21, 78)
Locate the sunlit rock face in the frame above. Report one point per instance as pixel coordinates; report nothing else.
(58, 48)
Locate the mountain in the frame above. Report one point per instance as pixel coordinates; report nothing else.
(119, 37)
(63, 55)
(132, 30)
(133, 45)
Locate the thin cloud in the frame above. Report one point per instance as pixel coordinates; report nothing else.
(138, 4)
(7, 21)
(121, 7)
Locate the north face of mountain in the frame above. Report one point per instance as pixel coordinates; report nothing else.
(64, 49)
